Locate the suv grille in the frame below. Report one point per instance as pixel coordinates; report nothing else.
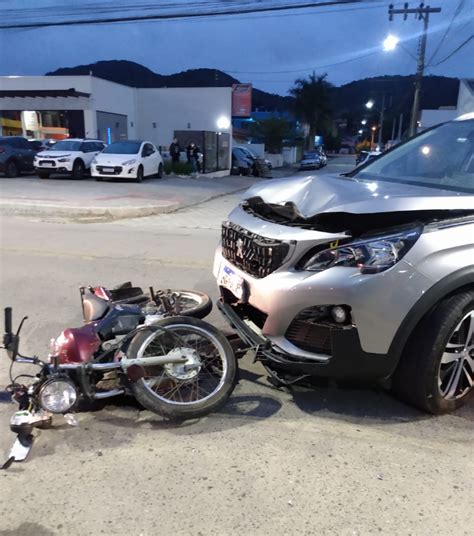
(252, 253)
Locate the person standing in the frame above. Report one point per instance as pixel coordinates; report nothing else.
(193, 155)
(175, 152)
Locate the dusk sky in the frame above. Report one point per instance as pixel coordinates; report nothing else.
(253, 48)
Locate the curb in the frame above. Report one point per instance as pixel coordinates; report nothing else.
(64, 211)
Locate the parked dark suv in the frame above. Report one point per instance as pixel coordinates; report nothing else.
(16, 155)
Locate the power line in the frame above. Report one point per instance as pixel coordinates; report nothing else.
(304, 69)
(446, 58)
(167, 16)
(448, 29)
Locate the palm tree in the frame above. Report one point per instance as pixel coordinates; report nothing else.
(312, 104)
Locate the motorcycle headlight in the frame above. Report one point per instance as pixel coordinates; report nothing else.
(129, 162)
(57, 395)
(371, 256)
(64, 160)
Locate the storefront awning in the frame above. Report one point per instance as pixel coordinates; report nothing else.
(42, 93)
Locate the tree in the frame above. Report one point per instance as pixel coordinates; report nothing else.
(313, 104)
(272, 131)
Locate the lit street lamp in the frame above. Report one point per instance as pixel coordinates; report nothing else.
(390, 43)
(363, 122)
(370, 105)
(374, 128)
(360, 131)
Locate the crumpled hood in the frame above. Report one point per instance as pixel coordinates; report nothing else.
(316, 194)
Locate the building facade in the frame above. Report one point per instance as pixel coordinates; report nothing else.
(85, 106)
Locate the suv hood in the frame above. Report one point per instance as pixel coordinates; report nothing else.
(312, 195)
(333, 203)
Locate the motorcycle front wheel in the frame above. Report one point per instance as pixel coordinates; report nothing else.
(190, 390)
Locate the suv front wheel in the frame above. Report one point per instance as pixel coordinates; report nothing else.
(436, 372)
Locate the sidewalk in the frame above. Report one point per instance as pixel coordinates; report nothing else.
(91, 200)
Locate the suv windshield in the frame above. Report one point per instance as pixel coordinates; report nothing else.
(67, 145)
(439, 158)
(123, 147)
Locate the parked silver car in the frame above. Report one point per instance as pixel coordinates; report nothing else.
(368, 275)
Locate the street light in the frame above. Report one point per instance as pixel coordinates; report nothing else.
(363, 122)
(390, 43)
(369, 104)
(360, 131)
(374, 128)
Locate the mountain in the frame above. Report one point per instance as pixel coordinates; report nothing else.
(133, 74)
(348, 100)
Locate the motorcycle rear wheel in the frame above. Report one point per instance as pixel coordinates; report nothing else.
(180, 392)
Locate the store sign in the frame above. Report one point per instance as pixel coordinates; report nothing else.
(29, 120)
(241, 100)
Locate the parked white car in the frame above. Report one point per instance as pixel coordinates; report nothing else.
(129, 159)
(72, 157)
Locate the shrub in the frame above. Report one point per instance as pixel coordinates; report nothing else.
(180, 168)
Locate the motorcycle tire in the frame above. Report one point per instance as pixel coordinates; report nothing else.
(194, 304)
(172, 391)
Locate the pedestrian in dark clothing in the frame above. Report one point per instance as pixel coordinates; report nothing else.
(175, 151)
(193, 155)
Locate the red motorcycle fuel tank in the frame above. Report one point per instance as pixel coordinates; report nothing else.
(77, 345)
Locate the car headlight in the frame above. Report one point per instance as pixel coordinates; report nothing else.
(64, 160)
(371, 256)
(129, 162)
(57, 395)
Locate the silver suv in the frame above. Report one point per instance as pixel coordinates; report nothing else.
(368, 275)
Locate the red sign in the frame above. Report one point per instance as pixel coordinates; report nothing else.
(241, 100)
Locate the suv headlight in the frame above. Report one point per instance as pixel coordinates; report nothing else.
(371, 256)
(129, 162)
(64, 159)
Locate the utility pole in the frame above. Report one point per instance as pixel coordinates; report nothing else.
(381, 122)
(400, 127)
(421, 13)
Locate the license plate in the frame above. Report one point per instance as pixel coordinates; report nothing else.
(108, 169)
(47, 164)
(231, 281)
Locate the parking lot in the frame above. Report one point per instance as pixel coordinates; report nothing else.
(322, 459)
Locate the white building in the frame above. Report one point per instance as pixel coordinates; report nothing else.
(465, 104)
(86, 106)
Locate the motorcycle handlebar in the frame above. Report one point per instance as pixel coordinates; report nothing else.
(8, 320)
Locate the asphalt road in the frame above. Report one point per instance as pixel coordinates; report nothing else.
(324, 460)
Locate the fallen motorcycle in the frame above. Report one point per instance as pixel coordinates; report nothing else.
(177, 367)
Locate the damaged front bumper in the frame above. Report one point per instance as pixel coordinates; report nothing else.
(348, 361)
